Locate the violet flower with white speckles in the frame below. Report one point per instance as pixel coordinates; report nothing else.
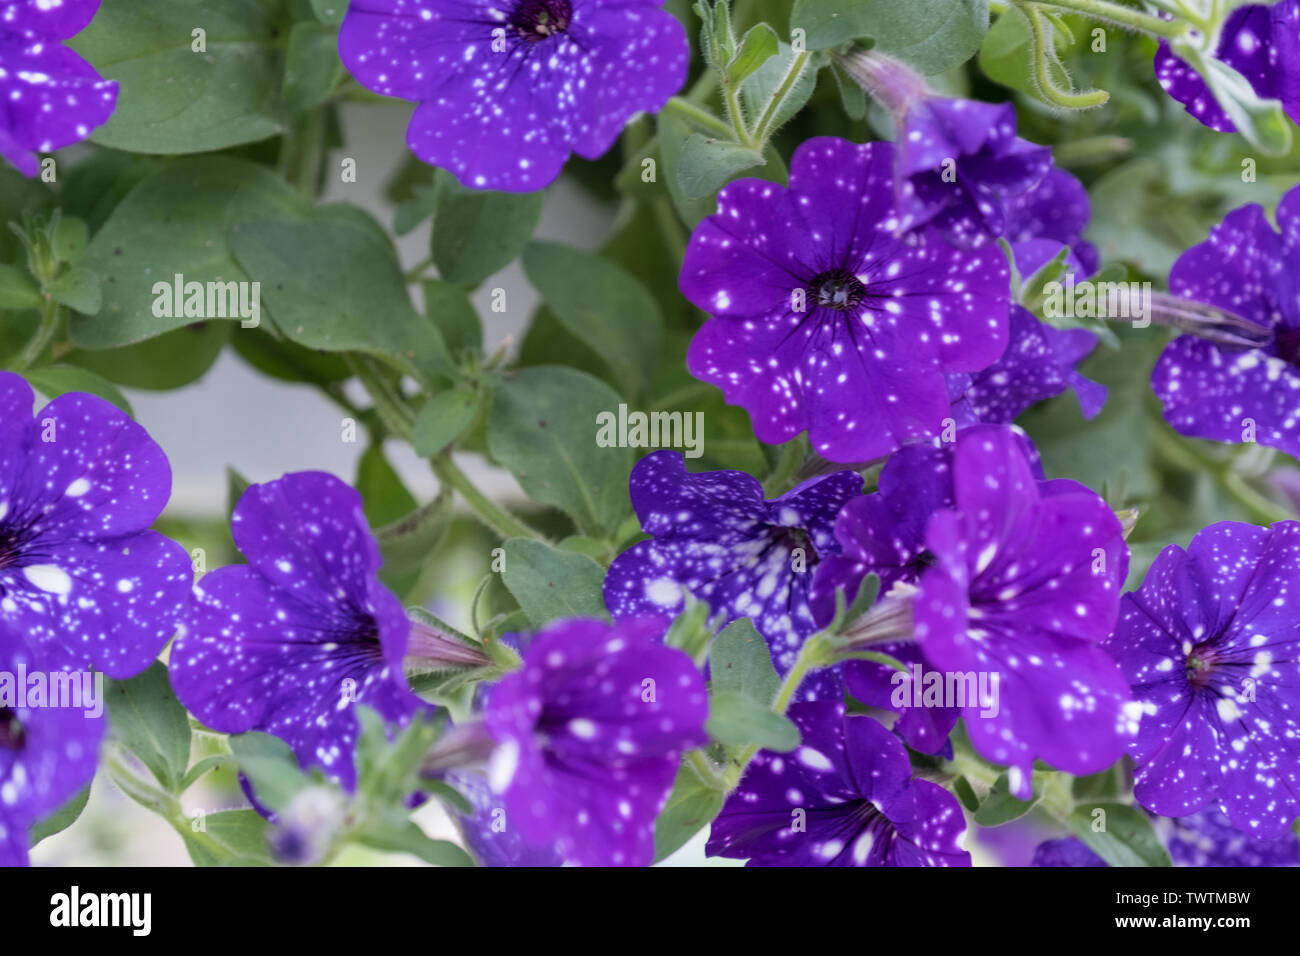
(291, 641)
(508, 88)
(1261, 43)
(845, 797)
(1224, 392)
(1067, 851)
(47, 754)
(82, 580)
(824, 320)
(590, 734)
(1039, 363)
(1015, 577)
(715, 537)
(960, 166)
(52, 97)
(1209, 643)
(487, 831)
(1208, 839)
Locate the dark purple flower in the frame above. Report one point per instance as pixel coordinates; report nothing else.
(1208, 839)
(1017, 578)
(1262, 44)
(1039, 362)
(715, 537)
(81, 579)
(824, 320)
(508, 88)
(47, 754)
(1210, 645)
(846, 797)
(291, 641)
(590, 734)
(1058, 209)
(960, 167)
(51, 96)
(487, 832)
(1235, 394)
(1068, 851)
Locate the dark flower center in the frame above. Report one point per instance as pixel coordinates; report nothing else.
(12, 736)
(1200, 665)
(837, 289)
(792, 538)
(1286, 345)
(535, 20)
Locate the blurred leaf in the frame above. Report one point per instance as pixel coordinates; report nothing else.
(735, 719)
(690, 808)
(1128, 838)
(55, 380)
(149, 721)
(442, 419)
(549, 583)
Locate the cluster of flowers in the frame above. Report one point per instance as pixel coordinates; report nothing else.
(868, 304)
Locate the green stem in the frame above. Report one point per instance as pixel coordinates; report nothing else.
(764, 128)
(416, 272)
(163, 804)
(736, 113)
(388, 401)
(1042, 54)
(699, 116)
(37, 344)
(499, 520)
(1257, 507)
(1114, 13)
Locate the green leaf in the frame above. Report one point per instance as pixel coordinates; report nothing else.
(674, 131)
(966, 794)
(767, 81)
(330, 11)
(543, 429)
(273, 355)
(68, 239)
(174, 223)
(384, 497)
(549, 583)
(603, 305)
(242, 833)
(149, 721)
(172, 99)
(169, 361)
(1106, 785)
(736, 719)
(312, 67)
(690, 807)
(478, 233)
(932, 35)
(442, 419)
(708, 164)
(78, 289)
(327, 278)
(271, 768)
(758, 46)
(18, 290)
(740, 663)
(55, 380)
(60, 819)
(409, 838)
(1128, 839)
(1001, 807)
(449, 308)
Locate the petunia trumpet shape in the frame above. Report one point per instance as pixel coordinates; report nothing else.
(290, 642)
(507, 89)
(845, 797)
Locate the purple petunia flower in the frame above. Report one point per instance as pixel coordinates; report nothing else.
(1227, 393)
(824, 320)
(1208, 839)
(715, 537)
(961, 166)
(82, 580)
(846, 797)
(508, 88)
(1040, 360)
(1210, 645)
(51, 96)
(1017, 579)
(1067, 851)
(1058, 209)
(590, 734)
(291, 641)
(47, 754)
(1261, 43)
(487, 832)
